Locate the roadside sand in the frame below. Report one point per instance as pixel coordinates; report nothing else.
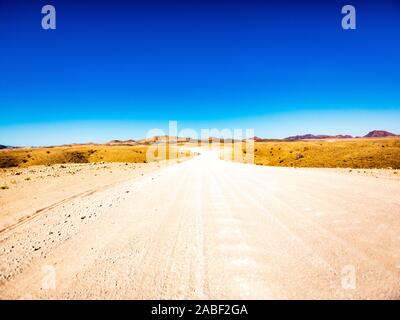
(35, 188)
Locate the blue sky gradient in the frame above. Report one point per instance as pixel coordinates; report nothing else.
(113, 70)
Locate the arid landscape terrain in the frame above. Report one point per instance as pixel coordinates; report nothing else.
(330, 153)
(97, 221)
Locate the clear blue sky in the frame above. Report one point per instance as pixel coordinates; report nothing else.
(114, 69)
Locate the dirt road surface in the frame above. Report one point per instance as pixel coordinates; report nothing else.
(207, 228)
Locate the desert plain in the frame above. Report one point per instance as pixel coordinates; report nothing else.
(306, 220)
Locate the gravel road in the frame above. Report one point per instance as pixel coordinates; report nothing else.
(208, 228)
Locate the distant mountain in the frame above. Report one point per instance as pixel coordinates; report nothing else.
(129, 142)
(379, 134)
(171, 139)
(256, 139)
(5, 147)
(164, 139)
(310, 136)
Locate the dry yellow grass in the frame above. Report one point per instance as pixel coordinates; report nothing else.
(346, 153)
(26, 157)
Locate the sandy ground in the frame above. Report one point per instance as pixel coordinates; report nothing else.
(32, 189)
(208, 228)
